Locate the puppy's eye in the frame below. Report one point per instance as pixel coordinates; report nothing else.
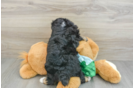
(63, 24)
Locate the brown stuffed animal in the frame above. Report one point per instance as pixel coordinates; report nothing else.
(34, 61)
(105, 69)
(36, 58)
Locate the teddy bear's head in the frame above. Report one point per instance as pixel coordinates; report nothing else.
(85, 49)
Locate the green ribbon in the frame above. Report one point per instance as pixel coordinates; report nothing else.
(88, 70)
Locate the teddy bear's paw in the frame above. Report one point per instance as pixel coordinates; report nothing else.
(87, 79)
(43, 80)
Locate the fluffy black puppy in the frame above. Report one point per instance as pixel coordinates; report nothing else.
(62, 61)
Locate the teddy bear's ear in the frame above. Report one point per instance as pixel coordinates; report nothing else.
(79, 48)
(84, 38)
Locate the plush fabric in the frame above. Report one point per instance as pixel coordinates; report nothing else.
(27, 72)
(37, 57)
(107, 72)
(34, 61)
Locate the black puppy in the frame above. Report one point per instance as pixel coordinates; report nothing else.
(62, 60)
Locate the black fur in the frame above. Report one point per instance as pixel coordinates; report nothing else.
(62, 61)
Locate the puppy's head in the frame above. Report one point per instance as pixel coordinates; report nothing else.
(66, 26)
(58, 24)
(61, 24)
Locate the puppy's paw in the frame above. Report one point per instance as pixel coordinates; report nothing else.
(43, 80)
(87, 79)
(65, 83)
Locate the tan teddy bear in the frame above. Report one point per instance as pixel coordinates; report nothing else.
(34, 63)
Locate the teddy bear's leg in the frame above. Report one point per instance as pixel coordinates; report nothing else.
(108, 71)
(94, 47)
(73, 83)
(27, 72)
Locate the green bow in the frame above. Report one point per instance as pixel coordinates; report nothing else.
(88, 70)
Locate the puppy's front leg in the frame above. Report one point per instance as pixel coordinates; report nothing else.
(47, 80)
(43, 80)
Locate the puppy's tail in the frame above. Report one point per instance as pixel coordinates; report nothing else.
(23, 55)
